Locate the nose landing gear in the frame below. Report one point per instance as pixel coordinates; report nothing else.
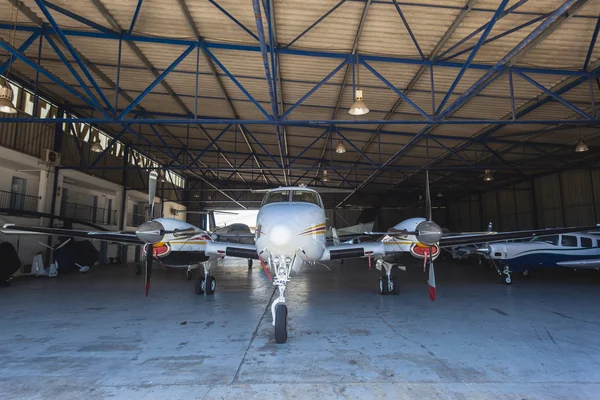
(282, 267)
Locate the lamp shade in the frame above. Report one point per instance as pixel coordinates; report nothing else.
(358, 107)
(6, 97)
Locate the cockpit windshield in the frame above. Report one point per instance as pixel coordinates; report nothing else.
(297, 196)
(305, 196)
(278, 196)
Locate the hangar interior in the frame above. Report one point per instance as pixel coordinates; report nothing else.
(491, 105)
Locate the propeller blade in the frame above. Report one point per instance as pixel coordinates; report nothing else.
(427, 196)
(152, 179)
(149, 256)
(431, 280)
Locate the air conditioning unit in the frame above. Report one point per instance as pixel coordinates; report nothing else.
(51, 157)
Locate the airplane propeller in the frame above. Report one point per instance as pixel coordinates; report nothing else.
(152, 179)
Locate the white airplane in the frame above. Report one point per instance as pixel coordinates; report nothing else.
(576, 250)
(290, 232)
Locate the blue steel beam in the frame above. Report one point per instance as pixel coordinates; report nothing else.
(481, 28)
(410, 32)
(231, 17)
(555, 96)
(22, 48)
(537, 34)
(362, 154)
(396, 90)
(469, 60)
(110, 145)
(290, 163)
(226, 121)
(135, 15)
(298, 52)
(157, 81)
(236, 82)
(22, 57)
(67, 64)
(77, 17)
(212, 142)
(592, 45)
(317, 22)
(498, 36)
(74, 53)
(314, 89)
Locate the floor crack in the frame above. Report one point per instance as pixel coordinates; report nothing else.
(254, 334)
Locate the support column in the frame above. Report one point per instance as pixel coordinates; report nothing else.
(123, 204)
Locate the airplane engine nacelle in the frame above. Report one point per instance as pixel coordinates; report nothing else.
(409, 224)
(164, 230)
(496, 251)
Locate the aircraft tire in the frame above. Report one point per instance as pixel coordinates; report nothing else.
(507, 280)
(249, 263)
(188, 275)
(396, 290)
(383, 285)
(198, 286)
(281, 313)
(211, 285)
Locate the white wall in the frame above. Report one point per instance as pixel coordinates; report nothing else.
(81, 186)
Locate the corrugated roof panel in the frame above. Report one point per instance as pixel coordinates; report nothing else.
(83, 8)
(308, 69)
(104, 51)
(340, 27)
(160, 103)
(162, 56)
(384, 32)
(157, 17)
(218, 108)
(213, 24)
(185, 84)
(326, 95)
(240, 63)
(566, 47)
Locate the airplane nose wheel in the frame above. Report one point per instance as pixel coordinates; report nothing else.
(281, 312)
(188, 275)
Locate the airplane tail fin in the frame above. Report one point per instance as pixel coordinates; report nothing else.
(336, 238)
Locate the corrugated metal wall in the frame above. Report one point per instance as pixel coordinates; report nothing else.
(567, 198)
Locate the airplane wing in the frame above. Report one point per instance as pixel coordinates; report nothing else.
(454, 240)
(343, 251)
(583, 264)
(232, 250)
(117, 237)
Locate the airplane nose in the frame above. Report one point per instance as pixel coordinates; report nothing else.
(280, 235)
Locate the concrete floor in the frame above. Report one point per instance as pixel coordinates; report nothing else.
(96, 336)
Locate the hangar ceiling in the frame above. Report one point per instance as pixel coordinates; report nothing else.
(259, 91)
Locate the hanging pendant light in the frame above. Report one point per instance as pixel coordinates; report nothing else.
(488, 177)
(161, 177)
(324, 176)
(358, 107)
(6, 99)
(581, 146)
(340, 149)
(97, 147)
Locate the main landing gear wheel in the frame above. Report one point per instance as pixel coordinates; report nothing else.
(281, 312)
(188, 275)
(389, 287)
(199, 286)
(395, 285)
(211, 284)
(249, 263)
(507, 280)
